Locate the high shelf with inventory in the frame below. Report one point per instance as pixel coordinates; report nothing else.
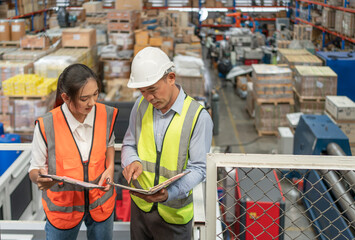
(325, 30)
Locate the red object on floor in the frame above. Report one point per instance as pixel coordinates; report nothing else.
(123, 207)
(261, 205)
(251, 61)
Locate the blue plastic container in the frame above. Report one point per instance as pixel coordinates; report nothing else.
(8, 157)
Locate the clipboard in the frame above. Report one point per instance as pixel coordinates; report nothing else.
(151, 190)
(73, 181)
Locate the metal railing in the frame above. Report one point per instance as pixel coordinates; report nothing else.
(280, 197)
(31, 224)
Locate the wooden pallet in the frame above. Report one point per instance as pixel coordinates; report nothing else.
(308, 98)
(121, 31)
(275, 101)
(10, 43)
(266, 133)
(22, 97)
(34, 49)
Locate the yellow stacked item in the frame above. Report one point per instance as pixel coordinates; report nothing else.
(19, 86)
(22, 85)
(8, 86)
(48, 85)
(31, 82)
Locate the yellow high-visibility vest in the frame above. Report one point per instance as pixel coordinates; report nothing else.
(172, 160)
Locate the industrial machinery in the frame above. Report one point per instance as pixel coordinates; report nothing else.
(327, 197)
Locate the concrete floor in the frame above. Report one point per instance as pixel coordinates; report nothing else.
(236, 127)
(237, 134)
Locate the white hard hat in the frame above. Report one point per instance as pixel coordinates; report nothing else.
(148, 67)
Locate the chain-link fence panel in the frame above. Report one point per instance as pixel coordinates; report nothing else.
(257, 200)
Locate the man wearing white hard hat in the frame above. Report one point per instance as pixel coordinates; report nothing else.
(168, 133)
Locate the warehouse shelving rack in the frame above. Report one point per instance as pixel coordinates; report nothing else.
(323, 29)
(31, 14)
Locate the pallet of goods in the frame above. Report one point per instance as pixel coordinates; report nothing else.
(272, 89)
(272, 84)
(341, 111)
(283, 52)
(315, 81)
(268, 117)
(29, 96)
(302, 32)
(35, 42)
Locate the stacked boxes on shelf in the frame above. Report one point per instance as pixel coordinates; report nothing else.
(312, 85)
(302, 32)
(339, 16)
(349, 24)
(328, 17)
(341, 110)
(272, 88)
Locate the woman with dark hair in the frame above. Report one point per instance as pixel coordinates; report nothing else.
(76, 140)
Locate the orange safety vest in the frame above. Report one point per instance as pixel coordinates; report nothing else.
(66, 204)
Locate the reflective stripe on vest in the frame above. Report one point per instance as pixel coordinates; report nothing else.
(171, 161)
(64, 204)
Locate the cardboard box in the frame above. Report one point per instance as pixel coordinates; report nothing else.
(119, 26)
(122, 15)
(117, 69)
(156, 41)
(349, 24)
(129, 5)
(339, 16)
(328, 17)
(340, 107)
(124, 40)
(302, 32)
(142, 37)
(38, 42)
(79, 37)
(168, 42)
(315, 81)
(92, 7)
